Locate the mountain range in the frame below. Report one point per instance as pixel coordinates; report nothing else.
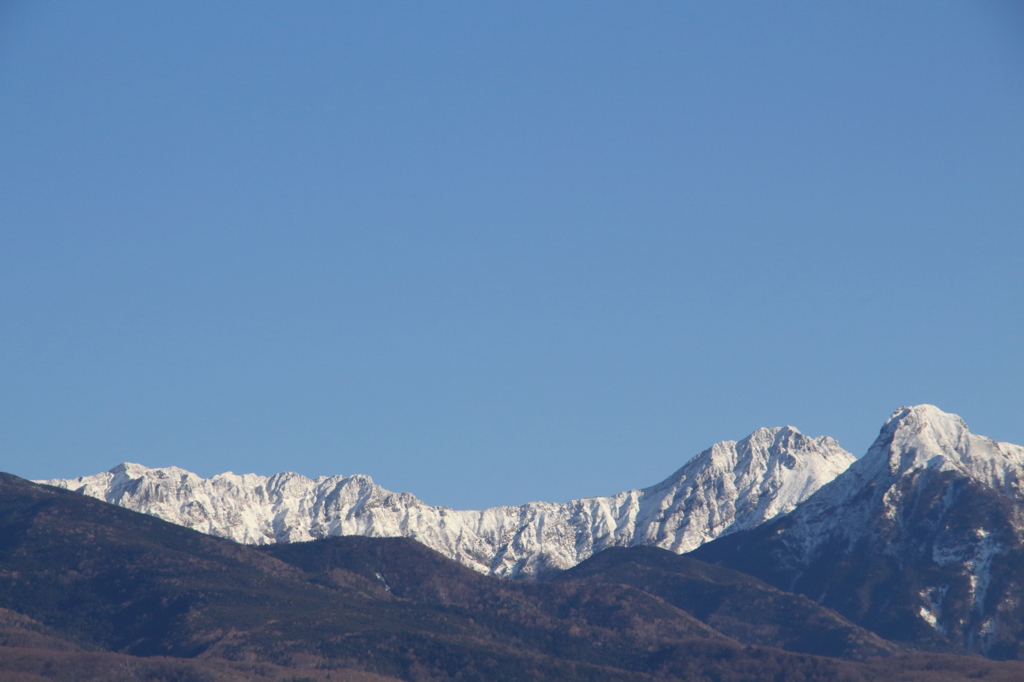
(729, 487)
(787, 542)
(91, 591)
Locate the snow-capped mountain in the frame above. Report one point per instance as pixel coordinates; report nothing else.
(731, 486)
(920, 540)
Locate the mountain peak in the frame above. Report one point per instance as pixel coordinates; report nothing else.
(129, 468)
(921, 436)
(770, 440)
(772, 432)
(925, 437)
(919, 419)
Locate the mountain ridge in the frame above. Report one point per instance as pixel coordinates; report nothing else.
(731, 486)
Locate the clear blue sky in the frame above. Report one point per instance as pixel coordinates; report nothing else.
(496, 252)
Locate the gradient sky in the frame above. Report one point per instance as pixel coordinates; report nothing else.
(497, 252)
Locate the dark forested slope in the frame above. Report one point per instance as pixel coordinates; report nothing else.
(93, 581)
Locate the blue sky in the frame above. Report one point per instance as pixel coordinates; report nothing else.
(498, 252)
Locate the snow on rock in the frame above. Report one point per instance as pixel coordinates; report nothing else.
(731, 486)
(914, 440)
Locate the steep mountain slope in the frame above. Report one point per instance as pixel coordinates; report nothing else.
(729, 487)
(734, 603)
(752, 612)
(921, 540)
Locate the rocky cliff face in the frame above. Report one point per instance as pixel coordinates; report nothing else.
(921, 540)
(731, 486)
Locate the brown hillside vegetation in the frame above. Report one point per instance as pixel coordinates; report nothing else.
(93, 591)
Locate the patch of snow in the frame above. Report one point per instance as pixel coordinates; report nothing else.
(929, 617)
(931, 612)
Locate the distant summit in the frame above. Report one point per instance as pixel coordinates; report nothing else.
(729, 487)
(925, 437)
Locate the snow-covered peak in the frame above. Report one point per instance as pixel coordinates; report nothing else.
(766, 474)
(782, 444)
(925, 437)
(914, 444)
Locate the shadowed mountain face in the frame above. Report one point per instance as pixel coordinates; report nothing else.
(76, 573)
(734, 603)
(919, 541)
